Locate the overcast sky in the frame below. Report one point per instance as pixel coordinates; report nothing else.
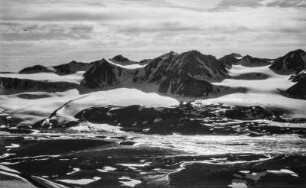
(58, 31)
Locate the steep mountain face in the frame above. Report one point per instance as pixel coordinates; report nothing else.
(192, 64)
(71, 68)
(119, 59)
(34, 85)
(293, 62)
(197, 66)
(250, 61)
(230, 59)
(37, 69)
(185, 74)
(298, 90)
(105, 73)
(156, 67)
(186, 86)
(299, 76)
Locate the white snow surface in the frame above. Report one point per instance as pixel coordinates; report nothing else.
(260, 92)
(133, 66)
(37, 109)
(50, 77)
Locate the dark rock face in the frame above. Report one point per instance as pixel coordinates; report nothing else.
(122, 60)
(230, 59)
(36, 69)
(103, 73)
(156, 67)
(5, 119)
(293, 62)
(185, 74)
(195, 65)
(187, 86)
(187, 119)
(262, 173)
(64, 69)
(299, 76)
(250, 61)
(34, 85)
(248, 113)
(298, 90)
(71, 68)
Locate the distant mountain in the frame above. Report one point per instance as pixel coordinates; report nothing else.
(230, 59)
(37, 69)
(64, 69)
(250, 61)
(192, 64)
(247, 61)
(186, 74)
(105, 73)
(119, 59)
(71, 68)
(293, 62)
(16, 84)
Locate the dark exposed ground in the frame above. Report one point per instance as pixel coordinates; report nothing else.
(135, 146)
(105, 161)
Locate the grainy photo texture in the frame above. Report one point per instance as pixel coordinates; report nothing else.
(152, 93)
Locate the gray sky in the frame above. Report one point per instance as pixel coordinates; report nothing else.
(58, 31)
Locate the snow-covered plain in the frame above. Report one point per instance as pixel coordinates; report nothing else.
(49, 77)
(32, 110)
(263, 92)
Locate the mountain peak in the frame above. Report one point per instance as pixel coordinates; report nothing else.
(169, 54)
(292, 62)
(296, 52)
(247, 57)
(192, 53)
(195, 56)
(120, 58)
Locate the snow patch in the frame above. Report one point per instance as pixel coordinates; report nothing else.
(49, 77)
(80, 181)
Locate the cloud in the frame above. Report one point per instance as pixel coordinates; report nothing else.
(145, 28)
(13, 31)
(261, 3)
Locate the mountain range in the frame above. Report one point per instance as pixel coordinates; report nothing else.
(189, 74)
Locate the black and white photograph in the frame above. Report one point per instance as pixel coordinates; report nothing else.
(152, 93)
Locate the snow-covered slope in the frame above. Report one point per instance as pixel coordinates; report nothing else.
(263, 92)
(34, 106)
(48, 77)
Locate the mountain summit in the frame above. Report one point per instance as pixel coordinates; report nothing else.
(292, 62)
